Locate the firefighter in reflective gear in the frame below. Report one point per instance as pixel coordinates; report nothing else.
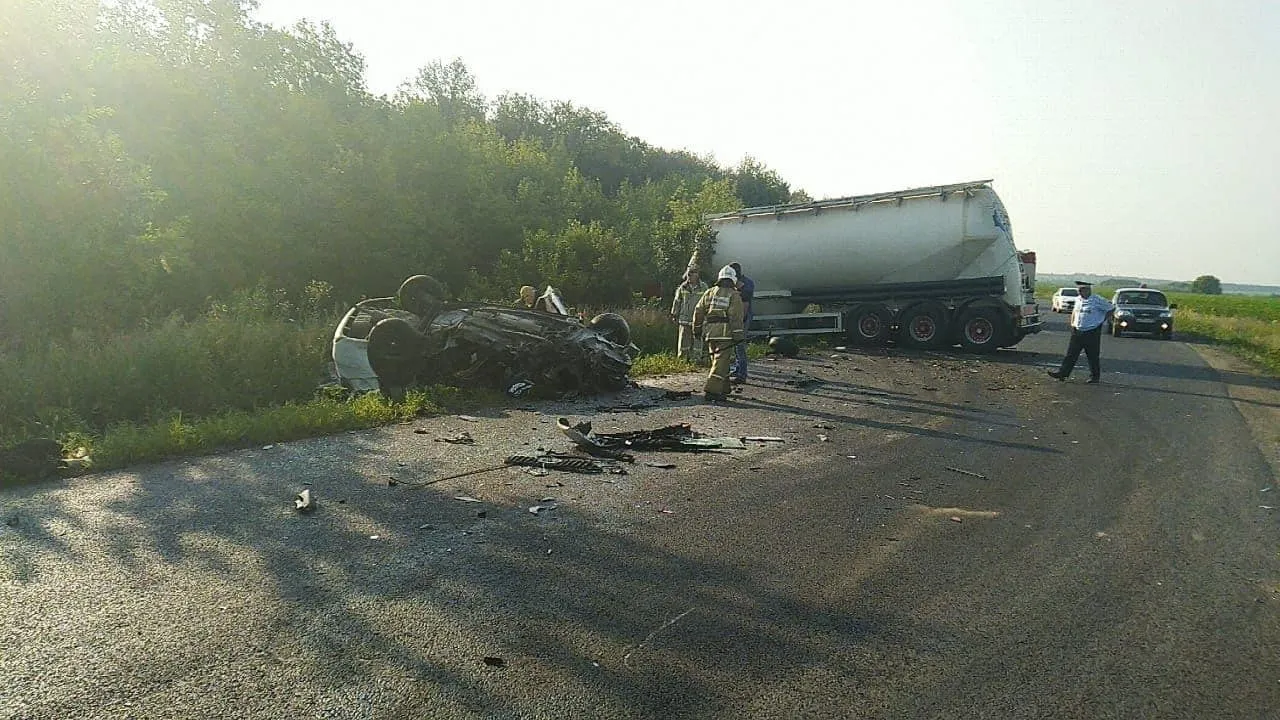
(719, 319)
(688, 344)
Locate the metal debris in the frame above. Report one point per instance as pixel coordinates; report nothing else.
(678, 438)
(763, 438)
(969, 473)
(462, 438)
(466, 498)
(567, 463)
(626, 407)
(304, 503)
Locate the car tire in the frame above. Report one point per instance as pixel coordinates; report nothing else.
(982, 329)
(421, 295)
(396, 351)
(613, 327)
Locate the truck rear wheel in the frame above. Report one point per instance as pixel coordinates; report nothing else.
(982, 329)
(923, 326)
(867, 325)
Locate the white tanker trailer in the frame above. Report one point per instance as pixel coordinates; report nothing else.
(928, 267)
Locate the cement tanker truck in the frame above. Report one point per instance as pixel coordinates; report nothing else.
(927, 268)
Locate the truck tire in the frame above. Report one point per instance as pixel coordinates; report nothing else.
(923, 326)
(396, 351)
(982, 329)
(868, 325)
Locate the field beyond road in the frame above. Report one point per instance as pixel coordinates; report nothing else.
(937, 536)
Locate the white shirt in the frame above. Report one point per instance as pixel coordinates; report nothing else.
(1090, 312)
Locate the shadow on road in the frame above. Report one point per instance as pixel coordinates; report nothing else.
(440, 589)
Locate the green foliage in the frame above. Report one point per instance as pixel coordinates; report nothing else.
(1206, 285)
(661, 364)
(1257, 307)
(188, 198)
(1255, 340)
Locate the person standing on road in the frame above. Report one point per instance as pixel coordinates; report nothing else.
(719, 319)
(747, 289)
(688, 345)
(1087, 318)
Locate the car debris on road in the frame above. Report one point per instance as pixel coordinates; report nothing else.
(304, 502)
(676, 438)
(567, 463)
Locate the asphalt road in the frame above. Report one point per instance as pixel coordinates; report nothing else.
(1115, 560)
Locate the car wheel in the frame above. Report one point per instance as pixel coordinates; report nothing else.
(982, 329)
(613, 327)
(421, 295)
(396, 351)
(923, 326)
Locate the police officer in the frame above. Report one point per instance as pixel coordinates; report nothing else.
(1087, 317)
(719, 319)
(688, 345)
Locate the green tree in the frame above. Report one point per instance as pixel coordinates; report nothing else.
(1206, 285)
(759, 186)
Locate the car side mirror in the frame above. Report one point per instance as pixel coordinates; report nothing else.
(1173, 306)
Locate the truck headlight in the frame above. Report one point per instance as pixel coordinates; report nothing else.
(1166, 313)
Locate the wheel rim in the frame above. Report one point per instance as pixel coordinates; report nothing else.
(979, 331)
(869, 326)
(923, 328)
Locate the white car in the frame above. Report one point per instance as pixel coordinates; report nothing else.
(1064, 300)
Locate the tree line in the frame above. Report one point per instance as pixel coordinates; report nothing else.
(159, 155)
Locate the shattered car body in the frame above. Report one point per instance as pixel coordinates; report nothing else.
(419, 338)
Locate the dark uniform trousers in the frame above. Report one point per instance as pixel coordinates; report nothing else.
(1089, 341)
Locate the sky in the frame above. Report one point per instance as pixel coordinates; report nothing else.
(1139, 138)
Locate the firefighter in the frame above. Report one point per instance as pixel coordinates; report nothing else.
(688, 344)
(719, 319)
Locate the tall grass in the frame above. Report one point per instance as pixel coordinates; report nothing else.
(1250, 338)
(247, 372)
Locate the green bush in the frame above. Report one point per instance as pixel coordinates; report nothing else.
(217, 363)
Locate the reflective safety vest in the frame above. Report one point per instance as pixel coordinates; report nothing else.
(719, 315)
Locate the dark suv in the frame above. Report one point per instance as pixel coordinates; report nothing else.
(1142, 310)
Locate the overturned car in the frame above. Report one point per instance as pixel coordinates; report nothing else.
(420, 337)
